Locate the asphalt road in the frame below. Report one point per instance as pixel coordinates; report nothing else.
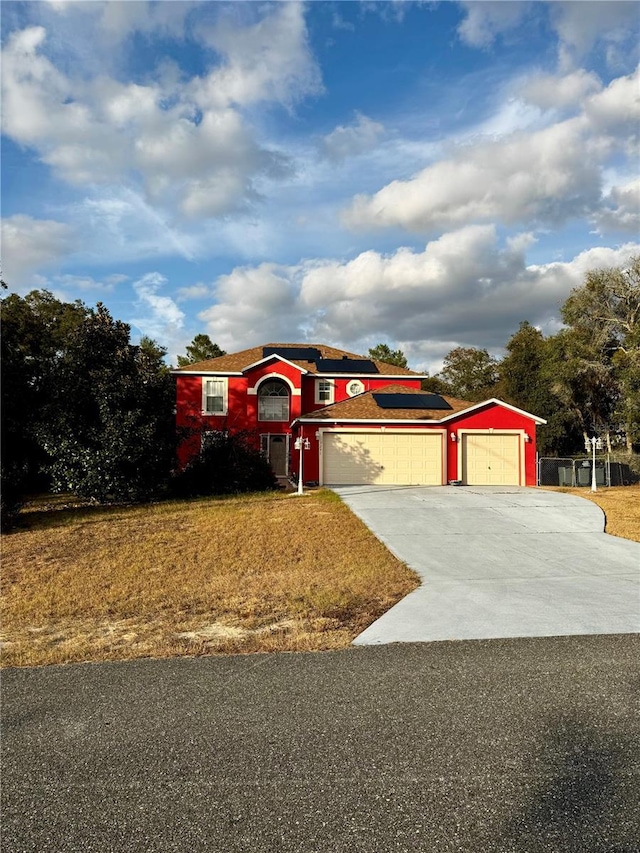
(493, 746)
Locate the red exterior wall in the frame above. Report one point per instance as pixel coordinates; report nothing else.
(191, 420)
(340, 388)
(492, 417)
(242, 415)
(311, 457)
(242, 409)
(497, 418)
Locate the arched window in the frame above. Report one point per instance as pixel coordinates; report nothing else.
(273, 401)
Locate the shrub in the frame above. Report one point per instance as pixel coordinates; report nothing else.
(228, 464)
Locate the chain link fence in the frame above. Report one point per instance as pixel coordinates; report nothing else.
(577, 472)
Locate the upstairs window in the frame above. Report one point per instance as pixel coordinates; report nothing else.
(324, 391)
(214, 396)
(273, 402)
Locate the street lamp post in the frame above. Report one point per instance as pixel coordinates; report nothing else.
(595, 443)
(301, 444)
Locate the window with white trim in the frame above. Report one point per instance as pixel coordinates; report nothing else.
(214, 396)
(273, 402)
(325, 390)
(355, 387)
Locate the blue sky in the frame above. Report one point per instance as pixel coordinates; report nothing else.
(424, 174)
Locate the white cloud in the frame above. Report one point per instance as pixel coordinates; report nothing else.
(88, 283)
(194, 291)
(578, 25)
(160, 317)
(581, 25)
(255, 304)
(190, 144)
(392, 11)
(616, 109)
(111, 217)
(351, 140)
(620, 209)
(268, 60)
(557, 91)
(463, 287)
(117, 20)
(484, 21)
(33, 244)
(339, 23)
(513, 114)
(545, 176)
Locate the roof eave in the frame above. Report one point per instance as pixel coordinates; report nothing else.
(444, 419)
(336, 375)
(366, 421)
(504, 405)
(181, 372)
(271, 358)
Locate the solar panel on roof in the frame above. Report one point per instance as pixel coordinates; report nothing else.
(293, 353)
(411, 401)
(346, 365)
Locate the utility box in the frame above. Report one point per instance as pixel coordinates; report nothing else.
(565, 476)
(584, 476)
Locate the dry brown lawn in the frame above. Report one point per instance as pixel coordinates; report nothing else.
(620, 504)
(254, 573)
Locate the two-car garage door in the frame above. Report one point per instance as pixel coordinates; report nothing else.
(408, 459)
(383, 458)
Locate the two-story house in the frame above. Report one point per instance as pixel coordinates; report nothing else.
(364, 421)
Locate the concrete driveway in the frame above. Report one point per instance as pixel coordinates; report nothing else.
(500, 562)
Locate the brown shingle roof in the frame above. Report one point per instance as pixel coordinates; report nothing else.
(236, 362)
(364, 407)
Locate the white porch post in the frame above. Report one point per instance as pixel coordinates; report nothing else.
(301, 444)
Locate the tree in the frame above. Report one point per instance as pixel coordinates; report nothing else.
(33, 330)
(201, 348)
(435, 385)
(94, 412)
(603, 316)
(471, 373)
(382, 352)
(109, 430)
(584, 383)
(527, 374)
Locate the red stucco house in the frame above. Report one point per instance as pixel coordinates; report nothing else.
(365, 421)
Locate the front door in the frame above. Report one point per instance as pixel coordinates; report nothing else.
(278, 454)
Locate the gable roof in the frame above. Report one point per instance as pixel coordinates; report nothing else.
(365, 407)
(238, 361)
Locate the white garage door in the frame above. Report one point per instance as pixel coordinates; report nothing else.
(363, 458)
(491, 459)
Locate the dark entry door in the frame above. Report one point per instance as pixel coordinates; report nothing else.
(278, 454)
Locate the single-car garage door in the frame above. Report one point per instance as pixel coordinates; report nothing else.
(491, 459)
(384, 458)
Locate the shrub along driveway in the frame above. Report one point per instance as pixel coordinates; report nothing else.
(500, 562)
